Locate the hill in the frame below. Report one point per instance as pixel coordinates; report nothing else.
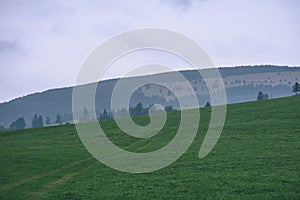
(242, 84)
(257, 157)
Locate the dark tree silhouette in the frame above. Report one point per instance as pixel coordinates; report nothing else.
(35, 121)
(207, 104)
(18, 124)
(260, 96)
(104, 116)
(40, 121)
(58, 119)
(137, 110)
(169, 109)
(48, 121)
(296, 88)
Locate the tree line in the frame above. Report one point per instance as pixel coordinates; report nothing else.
(138, 110)
(39, 121)
(262, 96)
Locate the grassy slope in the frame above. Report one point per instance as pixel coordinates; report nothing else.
(257, 156)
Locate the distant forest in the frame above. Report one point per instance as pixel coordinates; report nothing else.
(239, 88)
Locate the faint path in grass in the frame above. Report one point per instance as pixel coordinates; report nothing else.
(50, 186)
(32, 178)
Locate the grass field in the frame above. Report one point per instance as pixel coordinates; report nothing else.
(256, 157)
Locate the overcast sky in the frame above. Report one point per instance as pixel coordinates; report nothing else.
(44, 43)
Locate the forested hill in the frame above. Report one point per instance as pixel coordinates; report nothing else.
(242, 84)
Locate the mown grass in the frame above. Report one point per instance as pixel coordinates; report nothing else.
(256, 157)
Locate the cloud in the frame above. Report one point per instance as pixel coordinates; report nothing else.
(179, 3)
(7, 46)
(184, 5)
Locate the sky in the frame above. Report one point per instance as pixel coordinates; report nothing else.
(44, 43)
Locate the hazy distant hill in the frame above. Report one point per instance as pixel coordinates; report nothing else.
(242, 84)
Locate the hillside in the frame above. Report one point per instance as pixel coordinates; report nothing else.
(256, 157)
(242, 84)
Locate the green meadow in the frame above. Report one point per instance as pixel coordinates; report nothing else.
(256, 157)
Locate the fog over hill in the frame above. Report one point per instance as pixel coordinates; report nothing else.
(241, 83)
